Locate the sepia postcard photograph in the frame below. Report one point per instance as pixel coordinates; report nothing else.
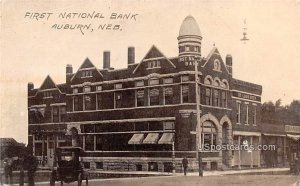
(149, 92)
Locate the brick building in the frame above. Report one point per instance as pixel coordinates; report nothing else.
(143, 117)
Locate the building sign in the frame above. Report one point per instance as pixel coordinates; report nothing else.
(246, 96)
(292, 129)
(188, 60)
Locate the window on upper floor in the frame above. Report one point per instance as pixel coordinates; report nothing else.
(208, 96)
(168, 80)
(139, 83)
(154, 64)
(62, 113)
(238, 114)
(185, 93)
(154, 81)
(254, 115)
(55, 114)
(87, 89)
(224, 99)
(140, 101)
(118, 85)
(75, 90)
(216, 98)
(247, 114)
(87, 73)
(75, 103)
(48, 94)
(87, 102)
(168, 95)
(118, 99)
(154, 96)
(217, 65)
(99, 101)
(168, 125)
(99, 88)
(185, 78)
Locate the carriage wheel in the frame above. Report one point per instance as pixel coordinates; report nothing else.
(79, 179)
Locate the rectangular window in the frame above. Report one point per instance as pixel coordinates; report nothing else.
(62, 113)
(87, 89)
(185, 78)
(154, 96)
(224, 99)
(247, 115)
(118, 99)
(89, 143)
(99, 142)
(254, 115)
(168, 92)
(75, 90)
(87, 73)
(185, 93)
(169, 125)
(99, 101)
(238, 114)
(99, 88)
(87, 102)
(75, 103)
(168, 80)
(99, 165)
(154, 64)
(55, 114)
(216, 98)
(118, 86)
(208, 96)
(48, 95)
(153, 81)
(139, 83)
(140, 98)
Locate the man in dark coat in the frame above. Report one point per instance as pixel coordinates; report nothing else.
(185, 164)
(31, 164)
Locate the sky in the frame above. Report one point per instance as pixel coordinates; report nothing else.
(31, 49)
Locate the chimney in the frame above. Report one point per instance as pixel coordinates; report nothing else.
(30, 86)
(131, 55)
(69, 72)
(229, 63)
(106, 60)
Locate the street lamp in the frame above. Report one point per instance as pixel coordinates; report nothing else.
(198, 126)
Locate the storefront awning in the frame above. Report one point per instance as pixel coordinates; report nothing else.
(151, 138)
(167, 138)
(294, 137)
(246, 133)
(136, 139)
(269, 134)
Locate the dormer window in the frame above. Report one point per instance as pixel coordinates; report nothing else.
(86, 89)
(154, 64)
(87, 73)
(217, 65)
(48, 95)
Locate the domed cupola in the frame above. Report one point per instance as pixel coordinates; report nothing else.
(189, 39)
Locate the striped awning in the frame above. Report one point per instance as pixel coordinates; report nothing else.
(136, 139)
(167, 138)
(151, 138)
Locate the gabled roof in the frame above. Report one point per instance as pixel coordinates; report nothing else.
(214, 50)
(48, 83)
(152, 54)
(86, 64)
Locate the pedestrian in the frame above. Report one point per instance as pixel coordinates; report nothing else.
(8, 170)
(31, 164)
(185, 165)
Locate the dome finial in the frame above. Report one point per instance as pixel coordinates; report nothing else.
(189, 26)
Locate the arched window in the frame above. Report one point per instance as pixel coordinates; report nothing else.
(217, 65)
(209, 135)
(208, 80)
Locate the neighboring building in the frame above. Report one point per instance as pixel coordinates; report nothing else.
(143, 117)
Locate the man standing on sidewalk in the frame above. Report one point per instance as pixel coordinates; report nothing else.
(185, 165)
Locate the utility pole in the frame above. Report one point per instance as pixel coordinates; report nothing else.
(198, 112)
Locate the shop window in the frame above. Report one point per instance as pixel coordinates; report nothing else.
(75, 103)
(168, 166)
(168, 92)
(99, 101)
(185, 93)
(118, 99)
(86, 165)
(154, 96)
(138, 167)
(140, 98)
(209, 135)
(208, 96)
(87, 102)
(152, 166)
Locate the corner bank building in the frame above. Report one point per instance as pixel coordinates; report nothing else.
(143, 117)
